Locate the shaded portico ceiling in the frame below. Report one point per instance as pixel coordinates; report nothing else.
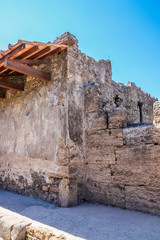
(18, 61)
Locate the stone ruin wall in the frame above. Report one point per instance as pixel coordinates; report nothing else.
(69, 141)
(122, 164)
(34, 147)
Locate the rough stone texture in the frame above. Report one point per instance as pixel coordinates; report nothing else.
(68, 140)
(157, 114)
(124, 172)
(33, 123)
(12, 226)
(16, 227)
(40, 233)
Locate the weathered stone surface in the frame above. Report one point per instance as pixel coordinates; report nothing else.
(142, 199)
(117, 118)
(157, 114)
(13, 227)
(81, 136)
(6, 224)
(104, 138)
(68, 192)
(18, 231)
(140, 135)
(17, 227)
(37, 233)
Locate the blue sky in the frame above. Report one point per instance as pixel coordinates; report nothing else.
(125, 31)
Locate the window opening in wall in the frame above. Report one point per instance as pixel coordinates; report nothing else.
(107, 119)
(140, 104)
(117, 100)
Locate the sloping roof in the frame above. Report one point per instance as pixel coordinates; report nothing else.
(19, 58)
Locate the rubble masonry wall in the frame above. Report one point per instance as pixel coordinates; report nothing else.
(80, 137)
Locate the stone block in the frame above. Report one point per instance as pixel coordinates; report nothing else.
(139, 198)
(117, 118)
(104, 138)
(156, 110)
(19, 231)
(67, 193)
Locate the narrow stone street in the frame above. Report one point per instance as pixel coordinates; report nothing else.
(85, 221)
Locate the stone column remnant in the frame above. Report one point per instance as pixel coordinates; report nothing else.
(156, 111)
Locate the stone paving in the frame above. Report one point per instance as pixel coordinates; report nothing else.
(86, 221)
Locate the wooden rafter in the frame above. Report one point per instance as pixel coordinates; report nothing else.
(45, 50)
(57, 50)
(14, 74)
(18, 59)
(22, 68)
(2, 94)
(51, 51)
(11, 53)
(10, 85)
(1, 69)
(33, 62)
(28, 52)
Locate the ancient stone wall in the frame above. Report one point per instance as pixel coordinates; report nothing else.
(122, 168)
(112, 169)
(121, 162)
(34, 145)
(81, 136)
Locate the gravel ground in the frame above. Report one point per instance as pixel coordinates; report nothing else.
(86, 221)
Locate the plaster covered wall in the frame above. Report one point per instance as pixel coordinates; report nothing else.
(68, 140)
(33, 129)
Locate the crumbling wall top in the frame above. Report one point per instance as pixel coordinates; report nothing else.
(67, 39)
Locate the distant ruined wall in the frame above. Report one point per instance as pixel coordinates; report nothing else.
(121, 164)
(122, 168)
(81, 137)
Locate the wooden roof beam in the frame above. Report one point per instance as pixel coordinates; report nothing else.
(10, 85)
(42, 52)
(10, 74)
(2, 94)
(12, 52)
(32, 61)
(54, 51)
(27, 70)
(28, 52)
(1, 69)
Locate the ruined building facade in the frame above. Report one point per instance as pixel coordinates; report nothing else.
(81, 136)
